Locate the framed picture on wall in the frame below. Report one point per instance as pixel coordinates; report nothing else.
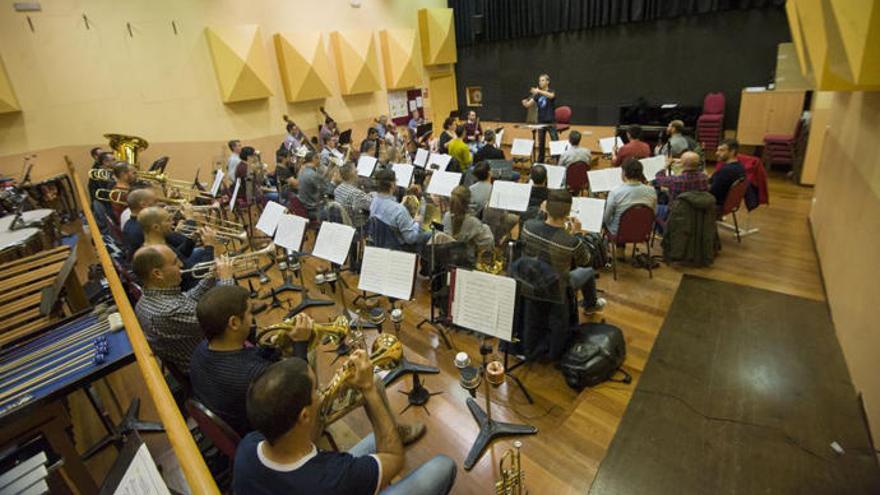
(474, 96)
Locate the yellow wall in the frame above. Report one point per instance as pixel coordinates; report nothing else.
(846, 228)
(75, 84)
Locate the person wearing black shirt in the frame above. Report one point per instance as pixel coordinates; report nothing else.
(728, 170)
(488, 151)
(544, 99)
(372, 137)
(447, 135)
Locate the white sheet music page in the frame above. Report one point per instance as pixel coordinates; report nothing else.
(388, 272)
(555, 176)
(608, 143)
(291, 229)
(333, 242)
(439, 161)
(522, 147)
(558, 147)
(498, 137)
(402, 173)
(142, 477)
(366, 164)
(590, 211)
(484, 302)
(421, 159)
(604, 180)
(652, 165)
(442, 183)
(218, 181)
(234, 194)
(269, 219)
(509, 195)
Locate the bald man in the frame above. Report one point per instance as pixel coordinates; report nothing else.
(691, 178)
(166, 313)
(131, 229)
(158, 229)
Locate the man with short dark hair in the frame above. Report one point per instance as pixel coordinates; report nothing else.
(634, 148)
(488, 151)
(676, 143)
(552, 241)
(104, 161)
(284, 407)
(372, 137)
(631, 193)
(385, 208)
(166, 314)
(312, 185)
(481, 190)
(575, 153)
(232, 163)
(727, 171)
(538, 176)
(459, 150)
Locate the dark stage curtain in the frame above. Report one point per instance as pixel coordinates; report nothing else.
(512, 19)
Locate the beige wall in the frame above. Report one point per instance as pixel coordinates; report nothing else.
(846, 226)
(75, 84)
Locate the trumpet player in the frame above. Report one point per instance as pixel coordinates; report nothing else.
(223, 368)
(283, 406)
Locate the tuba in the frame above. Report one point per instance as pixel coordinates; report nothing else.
(277, 335)
(126, 148)
(512, 480)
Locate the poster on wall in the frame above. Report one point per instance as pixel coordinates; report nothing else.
(397, 107)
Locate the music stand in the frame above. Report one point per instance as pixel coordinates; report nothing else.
(422, 129)
(453, 254)
(306, 301)
(406, 366)
(345, 137)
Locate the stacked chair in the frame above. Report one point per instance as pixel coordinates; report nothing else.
(710, 124)
(779, 149)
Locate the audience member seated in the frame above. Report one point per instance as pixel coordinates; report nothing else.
(385, 209)
(676, 143)
(482, 189)
(459, 150)
(283, 405)
(462, 225)
(634, 148)
(632, 192)
(575, 153)
(166, 313)
(552, 242)
(728, 173)
(489, 151)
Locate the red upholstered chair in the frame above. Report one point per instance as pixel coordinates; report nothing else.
(221, 434)
(636, 225)
(779, 149)
(710, 125)
(734, 199)
(576, 177)
(563, 118)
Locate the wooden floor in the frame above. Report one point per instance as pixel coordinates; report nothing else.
(575, 429)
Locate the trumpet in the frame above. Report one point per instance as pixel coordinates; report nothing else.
(512, 480)
(206, 269)
(222, 226)
(278, 335)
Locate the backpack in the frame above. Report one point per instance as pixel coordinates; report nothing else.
(597, 352)
(598, 249)
(696, 147)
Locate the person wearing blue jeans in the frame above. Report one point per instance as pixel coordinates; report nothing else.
(284, 407)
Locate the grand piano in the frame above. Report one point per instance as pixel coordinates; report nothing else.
(653, 118)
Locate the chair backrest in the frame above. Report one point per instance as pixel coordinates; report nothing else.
(576, 177)
(379, 234)
(713, 103)
(636, 224)
(221, 434)
(563, 114)
(735, 195)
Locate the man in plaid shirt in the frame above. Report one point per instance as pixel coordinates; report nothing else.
(166, 314)
(691, 178)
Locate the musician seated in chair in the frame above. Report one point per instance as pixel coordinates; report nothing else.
(731, 171)
(105, 160)
(481, 190)
(166, 313)
(222, 367)
(631, 193)
(385, 209)
(283, 405)
(463, 226)
(460, 151)
(123, 176)
(488, 151)
(312, 185)
(159, 230)
(553, 242)
(331, 145)
(574, 153)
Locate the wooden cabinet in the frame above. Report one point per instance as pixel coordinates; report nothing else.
(768, 112)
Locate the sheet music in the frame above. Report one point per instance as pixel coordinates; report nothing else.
(336, 153)
(234, 194)
(440, 159)
(366, 164)
(485, 303)
(290, 232)
(522, 147)
(604, 180)
(421, 158)
(590, 211)
(333, 242)
(269, 219)
(508, 195)
(142, 477)
(607, 144)
(652, 165)
(388, 272)
(442, 183)
(402, 173)
(498, 136)
(218, 180)
(559, 147)
(555, 176)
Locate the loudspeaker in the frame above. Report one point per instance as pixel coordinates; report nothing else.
(477, 25)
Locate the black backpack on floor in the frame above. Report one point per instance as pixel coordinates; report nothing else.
(597, 352)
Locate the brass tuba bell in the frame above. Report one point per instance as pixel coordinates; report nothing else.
(126, 148)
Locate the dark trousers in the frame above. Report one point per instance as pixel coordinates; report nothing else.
(542, 139)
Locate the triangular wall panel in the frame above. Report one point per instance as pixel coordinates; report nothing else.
(304, 66)
(356, 61)
(240, 62)
(400, 58)
(437, 34)
(8, 101)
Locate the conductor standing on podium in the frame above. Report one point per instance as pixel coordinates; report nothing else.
(544, 99)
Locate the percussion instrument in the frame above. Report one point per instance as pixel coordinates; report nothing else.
(44, 219)
(16, 244)
(56, 193)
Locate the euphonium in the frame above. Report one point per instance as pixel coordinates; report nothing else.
(493, 265)
(278, 335)
(512, 480)
(126, 148)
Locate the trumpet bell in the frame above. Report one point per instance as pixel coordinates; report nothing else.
(386, 351)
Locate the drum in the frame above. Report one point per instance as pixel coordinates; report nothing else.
(44, 219)
(19, 243)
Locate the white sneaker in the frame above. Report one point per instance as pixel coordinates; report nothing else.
(600, 305)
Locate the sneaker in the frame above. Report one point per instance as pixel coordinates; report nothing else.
(600, 305)
(409, 433)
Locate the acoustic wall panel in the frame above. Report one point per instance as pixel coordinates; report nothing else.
(859, 26)
(437, 33)
(240, 62)
(8, 101)
(304, 66)
(400, 58)
(356, 61)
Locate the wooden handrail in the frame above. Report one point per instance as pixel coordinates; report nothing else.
(188, 456)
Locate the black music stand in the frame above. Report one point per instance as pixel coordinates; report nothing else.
(116, 433)
(306, 301)
(406, 366)
(453, 254)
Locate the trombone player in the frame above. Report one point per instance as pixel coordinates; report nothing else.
(157, 226)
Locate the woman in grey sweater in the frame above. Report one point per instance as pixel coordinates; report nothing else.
(464, 226)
